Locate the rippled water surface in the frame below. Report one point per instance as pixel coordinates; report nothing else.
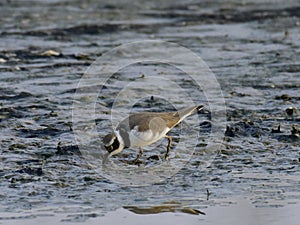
(253, 49)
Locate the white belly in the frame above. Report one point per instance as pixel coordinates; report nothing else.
(140, 139)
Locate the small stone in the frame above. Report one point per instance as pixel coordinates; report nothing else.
(82, 56)
(154, 157)
(51, 53)
(290, 111)
(13, 180)
(3, 60)
(284, 97)
(286, 34)
(53, 114)
(67, 150)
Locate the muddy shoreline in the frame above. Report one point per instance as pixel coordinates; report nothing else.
(47, 46)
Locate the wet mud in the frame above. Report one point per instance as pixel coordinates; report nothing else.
(253, 48)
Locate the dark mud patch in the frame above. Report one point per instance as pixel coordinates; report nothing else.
(46, 47)
(31, 171)
(67, 150)
(226, 16)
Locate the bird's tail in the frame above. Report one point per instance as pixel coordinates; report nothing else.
(189, 111)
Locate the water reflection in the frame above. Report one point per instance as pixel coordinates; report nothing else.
(165, 207)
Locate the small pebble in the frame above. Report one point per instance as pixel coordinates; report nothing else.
(290, 111)
(284, 97)
(153, 157)
(51, 53)
(2, 60)
(286, 34)
(82, 56)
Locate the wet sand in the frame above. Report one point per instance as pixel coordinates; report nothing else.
(251, 47)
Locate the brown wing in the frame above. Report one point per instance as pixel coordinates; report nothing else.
(149, 119)
(158, 120)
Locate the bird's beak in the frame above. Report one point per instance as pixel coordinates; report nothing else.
(105, 157)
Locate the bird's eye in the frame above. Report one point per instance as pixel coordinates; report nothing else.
(109, 148)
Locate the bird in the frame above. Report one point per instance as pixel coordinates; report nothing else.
(144, 128)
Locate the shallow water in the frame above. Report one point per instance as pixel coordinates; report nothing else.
(240, 211)
(46, 170)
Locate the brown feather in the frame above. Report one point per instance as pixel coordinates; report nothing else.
(158, 120)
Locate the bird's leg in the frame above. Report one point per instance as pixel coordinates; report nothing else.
(138, 156)
(168, 147)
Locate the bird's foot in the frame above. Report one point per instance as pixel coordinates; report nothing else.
(137, 160)
(167, 156)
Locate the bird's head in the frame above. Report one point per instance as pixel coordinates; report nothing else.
(113, 143)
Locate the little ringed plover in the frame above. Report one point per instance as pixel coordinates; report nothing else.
(142, 129)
